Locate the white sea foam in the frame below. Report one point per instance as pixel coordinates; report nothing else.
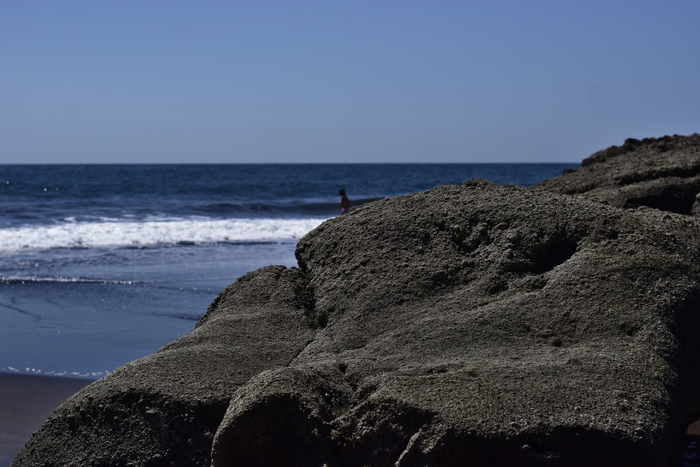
(72, 374)
(61, 279)
(148, 233)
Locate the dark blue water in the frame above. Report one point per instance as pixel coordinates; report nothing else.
(41, 194)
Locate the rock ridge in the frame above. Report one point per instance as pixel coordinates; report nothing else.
(662, 173)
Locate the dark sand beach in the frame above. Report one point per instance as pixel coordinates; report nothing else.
(26, 401)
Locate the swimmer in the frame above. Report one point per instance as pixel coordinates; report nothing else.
(344, 204)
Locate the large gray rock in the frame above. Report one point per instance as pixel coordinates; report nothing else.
(476, 325)
(167, 406)
(662, 173)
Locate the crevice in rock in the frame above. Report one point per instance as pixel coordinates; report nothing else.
(657, 174)
(280, 430)
(307, 301)
(672, 198)
(378, 433)
(547, 256)
(301, 350)
(406, 454)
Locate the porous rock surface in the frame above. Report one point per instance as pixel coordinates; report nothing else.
(463, 326)
(662, 173)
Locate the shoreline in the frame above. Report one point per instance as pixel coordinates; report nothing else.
(26, 401)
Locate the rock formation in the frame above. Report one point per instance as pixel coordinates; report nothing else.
(662, 173)
(463, 326)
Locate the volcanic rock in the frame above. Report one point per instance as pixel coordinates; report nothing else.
(662, 173)
(472, 325)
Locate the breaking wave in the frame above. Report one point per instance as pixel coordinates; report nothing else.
(150, 233)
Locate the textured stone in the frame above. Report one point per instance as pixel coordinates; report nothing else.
(477, 325)
(662, 173)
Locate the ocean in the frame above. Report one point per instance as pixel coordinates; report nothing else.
(104, 264)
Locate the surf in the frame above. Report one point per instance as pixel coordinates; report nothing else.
(148, 233)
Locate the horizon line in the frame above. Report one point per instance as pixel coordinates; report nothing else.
(276, 163)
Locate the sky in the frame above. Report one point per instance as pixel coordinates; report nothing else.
(342, 81)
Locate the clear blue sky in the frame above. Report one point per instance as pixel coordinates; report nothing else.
(342, 81)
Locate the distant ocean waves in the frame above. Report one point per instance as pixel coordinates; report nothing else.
(153, 233)
(290, 208)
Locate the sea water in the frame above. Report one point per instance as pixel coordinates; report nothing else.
(104, 264)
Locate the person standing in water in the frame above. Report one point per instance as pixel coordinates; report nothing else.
(344, 203)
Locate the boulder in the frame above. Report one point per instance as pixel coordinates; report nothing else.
(166, 407)
(662, 173)
(472, 325)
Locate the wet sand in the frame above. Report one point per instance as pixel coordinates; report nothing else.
(26, 401)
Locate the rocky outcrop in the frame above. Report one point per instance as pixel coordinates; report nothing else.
(464, 326)
(662, 173)
(166, 407)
